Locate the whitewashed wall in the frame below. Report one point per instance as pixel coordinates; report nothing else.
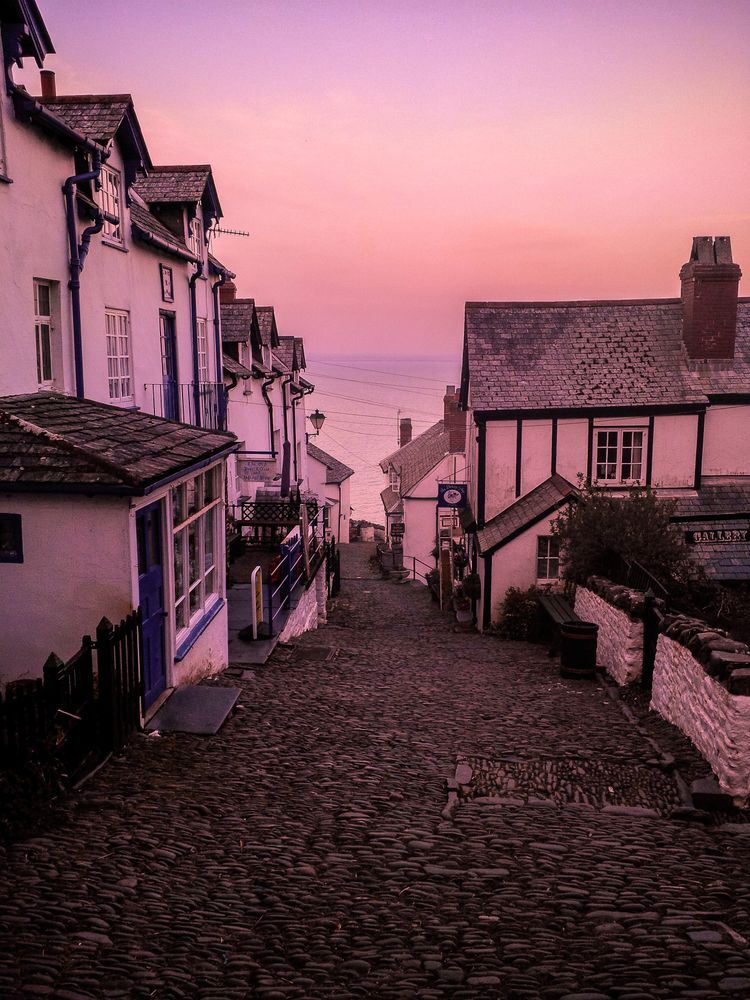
(726, 441)
(514, 565)
(620, 638)
(76, 568)
(716, 721)
(675, 440)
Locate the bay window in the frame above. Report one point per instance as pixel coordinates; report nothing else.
(196, 539)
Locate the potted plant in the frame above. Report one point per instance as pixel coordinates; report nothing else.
(472, 586)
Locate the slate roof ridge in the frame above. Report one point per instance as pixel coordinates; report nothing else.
(86, 99)
(178, 168)
(428, 434)
(568, 303)
(64, 444)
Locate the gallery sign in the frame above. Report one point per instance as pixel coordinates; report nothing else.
(454, 495)
(723, 535)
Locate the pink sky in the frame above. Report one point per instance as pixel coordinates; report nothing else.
(393, 159)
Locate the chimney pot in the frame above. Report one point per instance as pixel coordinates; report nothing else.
(49, 87)
(404, 431)
(227, 292)
(709, 298)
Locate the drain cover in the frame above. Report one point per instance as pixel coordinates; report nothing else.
(610, 785)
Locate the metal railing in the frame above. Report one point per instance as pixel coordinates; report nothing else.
(635, 576)
(417, 574)
(203, 404)
(298, 562)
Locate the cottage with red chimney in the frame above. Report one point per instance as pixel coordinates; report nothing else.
(646, 392)
(414, 475)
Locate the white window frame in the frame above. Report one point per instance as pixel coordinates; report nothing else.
(621, 447)
(119, 359)
(202, 339)
(110, 201)
(206, 586)
(43, 331)
(196, 237)
(547, 552)
(393, 478)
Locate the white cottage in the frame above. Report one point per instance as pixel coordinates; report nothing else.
(414, 474)
(328, 479)
(101, 511)
(648, 392)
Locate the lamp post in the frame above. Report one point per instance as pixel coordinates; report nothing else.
(317, 418)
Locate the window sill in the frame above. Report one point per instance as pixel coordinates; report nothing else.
(115, 246)
(187, 641)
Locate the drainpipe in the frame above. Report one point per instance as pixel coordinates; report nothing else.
(264, 392)
(224, 404)
(78, 253)
(285, 460)
(194, 324)
(298, 392)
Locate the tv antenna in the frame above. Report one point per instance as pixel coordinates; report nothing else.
(218, 231)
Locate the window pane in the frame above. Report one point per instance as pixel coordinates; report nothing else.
(195, 599)
(178, 505)
(208, 539)
(180, 615)
(210, 585)
(194, 494)
(179, 568)
(193, 554)
(43, 304)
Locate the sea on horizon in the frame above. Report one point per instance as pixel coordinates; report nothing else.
(363, 398)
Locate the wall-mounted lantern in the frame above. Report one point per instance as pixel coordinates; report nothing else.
(317, 418)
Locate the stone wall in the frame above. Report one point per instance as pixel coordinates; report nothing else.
(620, 640)
(705, 708)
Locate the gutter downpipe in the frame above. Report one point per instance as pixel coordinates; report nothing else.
(198, 273)
(285, 461)
(264, 392)
(298, 392)
(78, 255)
(217, 347)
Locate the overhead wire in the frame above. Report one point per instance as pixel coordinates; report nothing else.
(372, 402)
(376, 371)
(387, 385)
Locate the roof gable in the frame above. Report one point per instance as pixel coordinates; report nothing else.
(417, 458)
(31, 35)
(538, 503)
(267, 323)
(104, 118)
(239, 322)
(184, 184)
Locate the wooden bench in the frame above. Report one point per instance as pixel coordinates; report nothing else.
(559, 611)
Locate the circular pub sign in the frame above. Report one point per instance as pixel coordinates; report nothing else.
(452, 495)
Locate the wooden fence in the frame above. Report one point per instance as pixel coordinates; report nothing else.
(84, 708)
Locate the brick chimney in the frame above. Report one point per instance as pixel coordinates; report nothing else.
(49, 88)
(404, 431)
(709, 298)
(455, 420)
(227, 291)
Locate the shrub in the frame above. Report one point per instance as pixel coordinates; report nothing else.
(635, 527)
(519, 615)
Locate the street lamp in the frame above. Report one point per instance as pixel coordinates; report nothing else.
(317, 419)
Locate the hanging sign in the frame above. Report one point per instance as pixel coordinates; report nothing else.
(724, 535)
(453, 495)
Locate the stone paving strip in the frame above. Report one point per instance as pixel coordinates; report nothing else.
(301, 852)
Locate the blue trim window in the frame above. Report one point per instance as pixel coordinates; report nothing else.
(11, 538)
(196, 538)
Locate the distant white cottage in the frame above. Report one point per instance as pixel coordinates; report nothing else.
(652, 392)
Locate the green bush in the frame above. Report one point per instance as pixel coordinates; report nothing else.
(519, 615)
(602, 527)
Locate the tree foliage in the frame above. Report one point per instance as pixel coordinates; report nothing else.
(594, 532)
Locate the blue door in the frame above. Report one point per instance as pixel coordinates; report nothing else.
(171, 401)
(151, 599)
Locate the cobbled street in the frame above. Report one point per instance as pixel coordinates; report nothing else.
(303, 851)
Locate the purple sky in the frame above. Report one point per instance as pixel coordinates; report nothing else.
(393, 159)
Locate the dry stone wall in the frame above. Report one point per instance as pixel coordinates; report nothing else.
(620, 641)
(303, 617)
(699, 698)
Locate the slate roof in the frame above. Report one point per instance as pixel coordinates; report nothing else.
(51, 442)
(234, 367)
(337, 471)
(722, 561)
(415, 459)
(218, 268)
(284, 353)
(96, 116)
(142, 221)
(718, 499)
(392, 502)
(299, 350)
(536, 355)
(236, 320)
(267, 324)
(176, 184)
(548, 496)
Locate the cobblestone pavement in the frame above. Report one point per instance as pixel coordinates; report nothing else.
(302, 852)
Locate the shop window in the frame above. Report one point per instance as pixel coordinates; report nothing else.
(196, 532)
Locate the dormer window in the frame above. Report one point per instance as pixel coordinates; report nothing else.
(110, 201)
